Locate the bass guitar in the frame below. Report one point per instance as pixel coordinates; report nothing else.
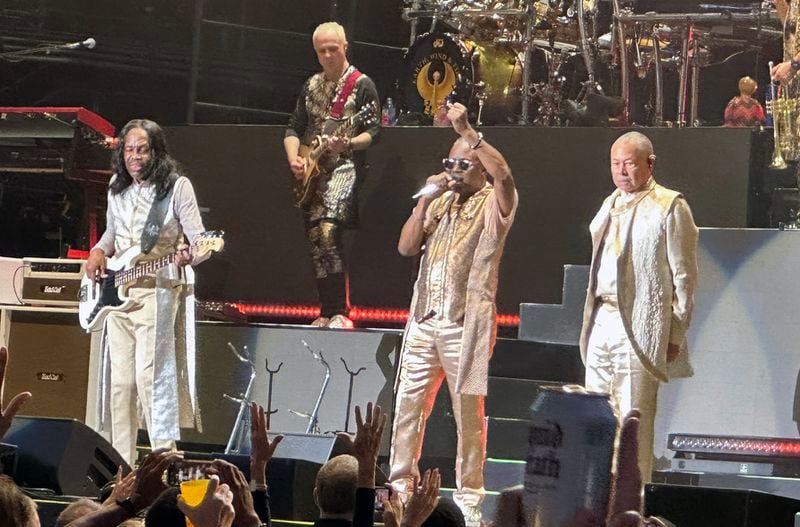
(311, 154)
(98, 299)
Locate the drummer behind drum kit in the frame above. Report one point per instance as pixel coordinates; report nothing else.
(550, 62)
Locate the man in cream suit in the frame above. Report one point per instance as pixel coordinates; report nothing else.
(641, 288)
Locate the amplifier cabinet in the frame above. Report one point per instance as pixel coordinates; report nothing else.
(51, 281)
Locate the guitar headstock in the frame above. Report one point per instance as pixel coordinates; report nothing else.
(368, 114)
(209, 242)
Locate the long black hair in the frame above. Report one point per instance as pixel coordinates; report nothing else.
(161, 171)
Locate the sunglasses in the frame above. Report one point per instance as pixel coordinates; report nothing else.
(456, 164)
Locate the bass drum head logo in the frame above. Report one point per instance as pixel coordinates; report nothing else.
(435, 67)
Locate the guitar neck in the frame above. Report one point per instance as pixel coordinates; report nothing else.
(143, 269)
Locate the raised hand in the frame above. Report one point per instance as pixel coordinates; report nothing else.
(393, 511)
(123, 487)
(261, 448)
(457, 115)
(230, 474)
(7, 412)
(149, 482)
(423, 500)
(366, 443)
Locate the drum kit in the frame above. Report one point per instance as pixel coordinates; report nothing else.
(551, 62)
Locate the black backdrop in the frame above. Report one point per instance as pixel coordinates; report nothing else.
(562, 175)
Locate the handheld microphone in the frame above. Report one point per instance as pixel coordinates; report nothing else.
(89, 43)
(427, 190)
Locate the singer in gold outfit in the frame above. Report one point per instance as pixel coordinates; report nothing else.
(461, 227)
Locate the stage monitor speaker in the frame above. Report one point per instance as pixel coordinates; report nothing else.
(714, 507)
(63, 455)
(50, 358)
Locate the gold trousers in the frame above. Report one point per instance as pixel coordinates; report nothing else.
(612, 366)
(430, 355)
(132, 340)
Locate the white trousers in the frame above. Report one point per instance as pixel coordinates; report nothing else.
(430, 355)
(131, 340)
(612, 366)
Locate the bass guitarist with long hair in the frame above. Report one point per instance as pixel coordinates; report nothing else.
(148, 351)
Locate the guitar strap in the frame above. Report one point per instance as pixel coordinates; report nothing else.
(156, 217)
(337, 109)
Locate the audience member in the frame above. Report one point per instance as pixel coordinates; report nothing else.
(16, 509)
(75, 510)
(148, 485)
(345, 487)
(446, 514)
(424, 508)
(261, 452)
(164, 511)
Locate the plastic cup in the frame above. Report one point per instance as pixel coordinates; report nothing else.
(193, 492)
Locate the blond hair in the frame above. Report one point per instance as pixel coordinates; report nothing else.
(332, 27)
(747, 86)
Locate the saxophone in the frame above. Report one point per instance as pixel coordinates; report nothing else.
(776, 107)
(785, 102)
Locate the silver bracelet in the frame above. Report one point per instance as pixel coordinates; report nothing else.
(478, 144)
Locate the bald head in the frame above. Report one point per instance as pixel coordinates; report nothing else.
(335, 488)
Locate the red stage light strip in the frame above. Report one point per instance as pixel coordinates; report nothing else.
(357, 314)
(732, 445)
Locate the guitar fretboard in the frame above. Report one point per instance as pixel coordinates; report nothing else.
(142, 269)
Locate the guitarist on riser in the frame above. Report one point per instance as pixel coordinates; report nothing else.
(336, 93)
(147, 352)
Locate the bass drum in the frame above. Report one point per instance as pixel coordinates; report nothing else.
(439, 67)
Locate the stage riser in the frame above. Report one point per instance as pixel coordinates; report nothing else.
(240, 175)
(518, 359)
(297, 385)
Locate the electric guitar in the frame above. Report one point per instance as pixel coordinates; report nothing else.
(311, 154)
(96, 300)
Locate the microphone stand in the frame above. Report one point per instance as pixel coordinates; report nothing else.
(312, 419)
(239, 430)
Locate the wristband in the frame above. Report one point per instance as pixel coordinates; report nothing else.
(128, 505)
(480, 140)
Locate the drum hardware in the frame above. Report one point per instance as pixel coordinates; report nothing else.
(480, 95)
(683, 75)
(525, 111)
(658, 119)
(621, 50)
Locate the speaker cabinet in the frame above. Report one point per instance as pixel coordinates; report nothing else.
(63, 455)
(50, 358)
(713, 507)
